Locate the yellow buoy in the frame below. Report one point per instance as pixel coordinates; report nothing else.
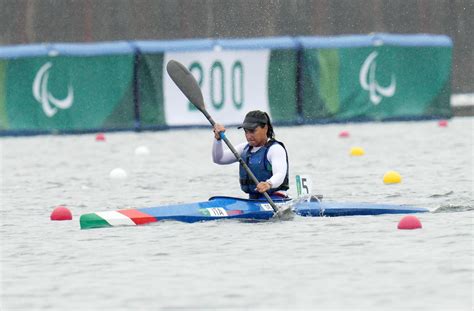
(392, 177)
(357, 151)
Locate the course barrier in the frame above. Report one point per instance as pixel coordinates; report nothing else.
(86, 87)
(378, 77)
(67, 87)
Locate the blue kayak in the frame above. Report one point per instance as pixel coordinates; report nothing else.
(228, 208)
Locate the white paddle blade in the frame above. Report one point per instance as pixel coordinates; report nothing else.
(303, 185)
(186, 83)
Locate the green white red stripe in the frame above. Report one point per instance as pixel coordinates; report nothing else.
(129, 217)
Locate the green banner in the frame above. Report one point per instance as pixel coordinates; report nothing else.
(282, 85)
(150, 85)
(110, 86)
(3, 110)
(384, 82)
(69, 93)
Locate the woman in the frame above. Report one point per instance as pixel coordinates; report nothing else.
(266, 157)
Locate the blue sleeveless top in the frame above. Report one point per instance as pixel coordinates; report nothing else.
(260, 167)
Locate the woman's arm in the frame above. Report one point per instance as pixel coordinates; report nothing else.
(225, 156)
(277, 157)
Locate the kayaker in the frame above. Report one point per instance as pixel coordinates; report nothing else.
(266, 157)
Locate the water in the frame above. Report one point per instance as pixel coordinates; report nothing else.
(344, 263)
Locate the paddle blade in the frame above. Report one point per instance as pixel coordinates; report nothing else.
(186, 83)
(285, 212)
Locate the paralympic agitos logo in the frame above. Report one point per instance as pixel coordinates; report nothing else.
(369, 82)
(49, 103)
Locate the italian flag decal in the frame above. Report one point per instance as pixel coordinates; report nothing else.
(129, 217)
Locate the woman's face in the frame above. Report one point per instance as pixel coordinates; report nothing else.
(257, 137)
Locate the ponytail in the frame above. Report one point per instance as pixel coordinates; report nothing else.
(270, 132)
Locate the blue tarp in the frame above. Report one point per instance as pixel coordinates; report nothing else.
(374, 40)
(258, 43)
(19, 51)
(92, 49)
(173, 45)
(128, 47)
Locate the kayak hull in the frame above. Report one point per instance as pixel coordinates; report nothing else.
(331, 209)
(234, 208)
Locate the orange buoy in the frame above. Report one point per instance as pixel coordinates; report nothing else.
(409, 222)
(344, 134)
(442, 123)
(100, 137)
(61, 213)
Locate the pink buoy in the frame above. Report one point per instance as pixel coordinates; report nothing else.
(61, 213)
(409, 222)
(344, 134)
(100, 137)
(442, 123)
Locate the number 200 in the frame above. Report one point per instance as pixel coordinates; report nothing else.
(217, 79)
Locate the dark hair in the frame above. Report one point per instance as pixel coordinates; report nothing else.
(270, 132)
(258, 118)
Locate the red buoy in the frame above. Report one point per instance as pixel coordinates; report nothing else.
(61, 213)
(442, 123)
(409, 222)
(344, 134)
(100, 137)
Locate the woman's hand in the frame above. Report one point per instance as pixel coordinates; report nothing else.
(218, 128)
(263, 186)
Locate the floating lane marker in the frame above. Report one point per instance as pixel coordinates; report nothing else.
(409, 222)
(442, 123)
(142, 151)
(392, 177)
(118, 173)
(357, 151)
(344, 134)
(61, 213)
(100, 137)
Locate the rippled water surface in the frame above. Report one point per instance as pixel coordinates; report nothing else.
(341, 263)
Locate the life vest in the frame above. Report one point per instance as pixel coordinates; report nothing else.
(260, 167)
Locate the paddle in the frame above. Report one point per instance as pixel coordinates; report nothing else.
(188, 85)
